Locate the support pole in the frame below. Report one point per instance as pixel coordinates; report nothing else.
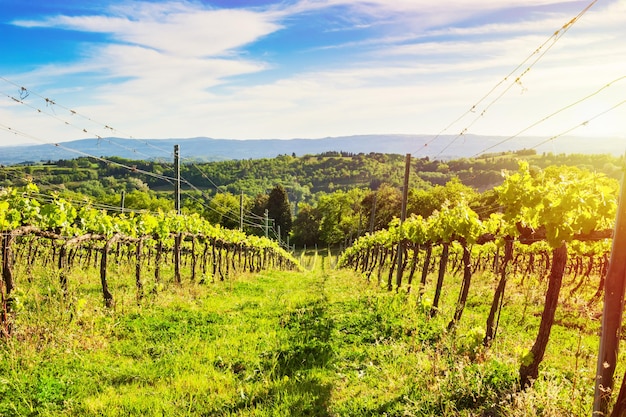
(178, 238)
(612, 315)
(177, 181)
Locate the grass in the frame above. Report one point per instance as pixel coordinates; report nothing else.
(320, 343)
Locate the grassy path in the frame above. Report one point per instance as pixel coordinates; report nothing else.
(320, 343)
(260, 345)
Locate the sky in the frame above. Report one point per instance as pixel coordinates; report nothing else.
(281, 69)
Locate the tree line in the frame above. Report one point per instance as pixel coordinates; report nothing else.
(327, 199)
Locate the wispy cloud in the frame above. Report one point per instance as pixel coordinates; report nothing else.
(415, 67)
(161, 53)
(174, 28)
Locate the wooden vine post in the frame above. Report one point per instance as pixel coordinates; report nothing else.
(178, 238)
(612, 318)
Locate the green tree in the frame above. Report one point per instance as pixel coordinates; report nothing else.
(224, 209)
(259, 205)
(425, 202)
(342, 216)
(388, 206)
(298, 192)
(306, 226)
(142, 200)
(279, 209)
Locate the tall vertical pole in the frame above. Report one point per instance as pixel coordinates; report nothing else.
(405, 197)
(123, 200)
(177, 181)
(279, 238)
(178, 238)
(614, 286)
(267, 223)
(241, 211)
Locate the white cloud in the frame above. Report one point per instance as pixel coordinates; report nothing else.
(420, 14)
(164, 59)
(173, 28)
(161, 72)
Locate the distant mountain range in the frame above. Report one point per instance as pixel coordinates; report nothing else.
(207, 149)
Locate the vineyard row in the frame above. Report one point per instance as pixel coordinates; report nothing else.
(554, 213)
(60, 235)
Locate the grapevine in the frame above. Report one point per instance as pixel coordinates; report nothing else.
(544, 214)
(71, 229)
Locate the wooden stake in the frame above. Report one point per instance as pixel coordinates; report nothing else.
(612, 317)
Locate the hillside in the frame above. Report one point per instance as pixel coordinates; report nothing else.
(206, 149)
(302, 176)
(319, 188)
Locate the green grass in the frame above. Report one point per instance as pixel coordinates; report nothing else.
(320, 343)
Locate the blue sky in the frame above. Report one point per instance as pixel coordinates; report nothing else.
(307, 68)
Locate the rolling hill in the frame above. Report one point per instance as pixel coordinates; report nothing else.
(207, 149)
